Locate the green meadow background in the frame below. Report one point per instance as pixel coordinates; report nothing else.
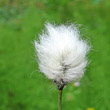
(22, 86)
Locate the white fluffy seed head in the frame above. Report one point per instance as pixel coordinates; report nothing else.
(61, 53)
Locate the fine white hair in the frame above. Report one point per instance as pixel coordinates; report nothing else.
(61, 53)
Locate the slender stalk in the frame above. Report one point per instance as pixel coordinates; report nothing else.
(60, 100)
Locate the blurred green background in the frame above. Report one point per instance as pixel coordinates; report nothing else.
(22, 86)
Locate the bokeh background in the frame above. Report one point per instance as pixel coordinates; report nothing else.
(22, 86)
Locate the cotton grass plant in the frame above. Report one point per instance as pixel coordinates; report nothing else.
(62, 55)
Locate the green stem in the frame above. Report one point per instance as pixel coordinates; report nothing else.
(60, 99)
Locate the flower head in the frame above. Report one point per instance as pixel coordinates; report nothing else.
(61, 54)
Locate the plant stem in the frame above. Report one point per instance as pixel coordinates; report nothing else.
(60, 100)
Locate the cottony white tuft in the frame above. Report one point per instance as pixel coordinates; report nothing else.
(61, 54)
